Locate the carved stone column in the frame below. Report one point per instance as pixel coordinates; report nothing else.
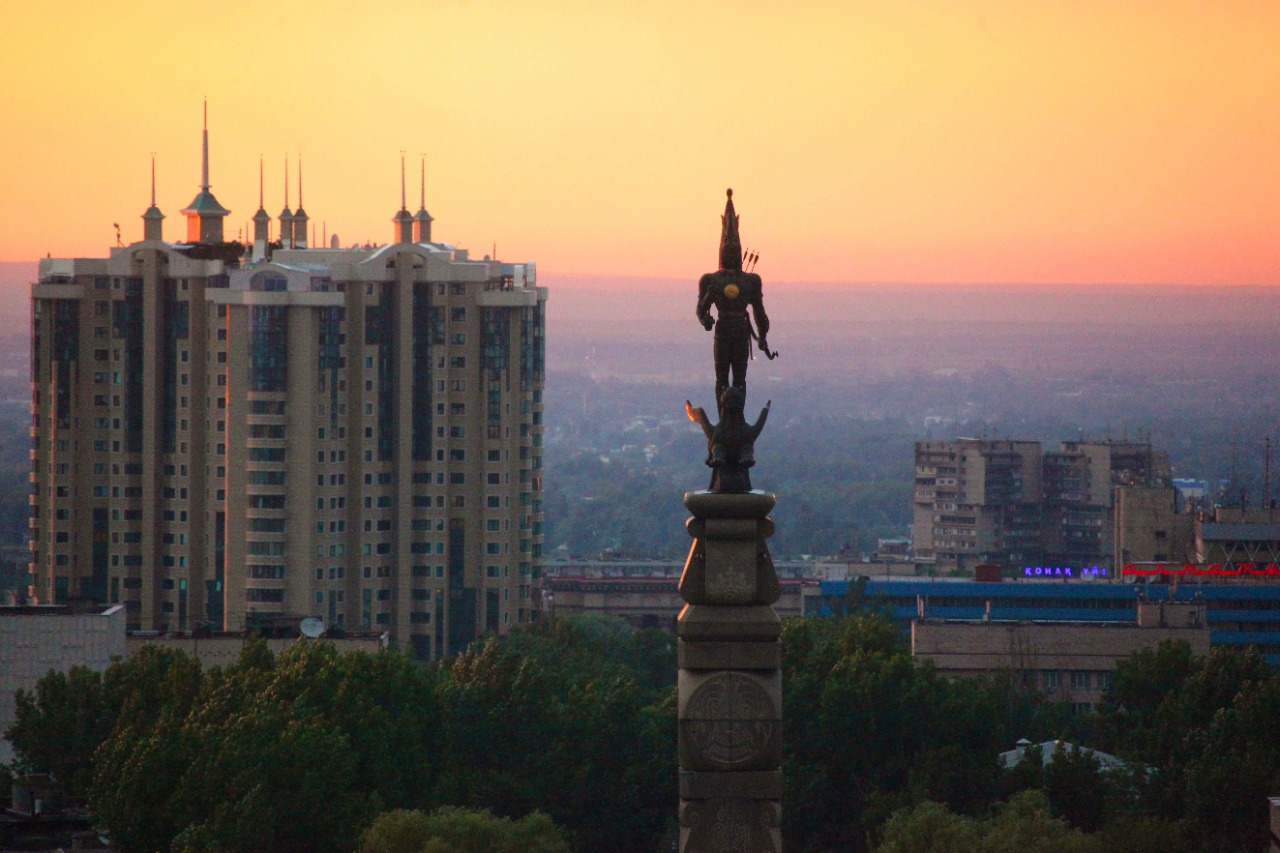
(730, 681)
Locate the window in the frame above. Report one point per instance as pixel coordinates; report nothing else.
(1080, 680)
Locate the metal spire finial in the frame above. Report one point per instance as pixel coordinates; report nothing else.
(204, 159)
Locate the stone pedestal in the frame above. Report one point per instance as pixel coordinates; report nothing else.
(730, 682)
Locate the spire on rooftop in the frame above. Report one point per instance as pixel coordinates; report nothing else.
(300, 217)
(261, 221)
(204, 149)
(403, 218)
(204, 214)
(153, 219)
(422, 220)
(286, 215)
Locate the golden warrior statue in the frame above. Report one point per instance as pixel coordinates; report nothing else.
(731, 290)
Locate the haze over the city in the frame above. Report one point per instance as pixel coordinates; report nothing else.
(935, 142)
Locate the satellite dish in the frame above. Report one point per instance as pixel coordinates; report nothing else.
(312, 627)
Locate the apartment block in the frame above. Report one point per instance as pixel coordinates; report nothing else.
(1012, 504)
(225, 435)
(976, 501)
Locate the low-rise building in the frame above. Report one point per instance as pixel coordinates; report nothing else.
(37, 638)
(224, 649)
(1238, 615)
(1068, 661)
(653, 602)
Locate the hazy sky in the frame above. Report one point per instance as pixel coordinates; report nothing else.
(905, 140)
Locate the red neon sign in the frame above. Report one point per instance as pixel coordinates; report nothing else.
(1231, 570)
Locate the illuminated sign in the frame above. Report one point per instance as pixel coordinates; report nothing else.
(1065, 572)
(1230, 570)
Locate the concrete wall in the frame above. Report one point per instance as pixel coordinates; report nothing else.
(1070, 661)
(224, 651)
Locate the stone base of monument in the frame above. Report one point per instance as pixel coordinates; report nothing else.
(730, 684)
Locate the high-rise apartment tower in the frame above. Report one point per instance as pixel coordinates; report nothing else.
(353, 434)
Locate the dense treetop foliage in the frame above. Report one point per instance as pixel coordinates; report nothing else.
(562, 736)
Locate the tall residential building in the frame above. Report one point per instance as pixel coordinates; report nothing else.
(352, 434)
(976, 501)
(1007, 502)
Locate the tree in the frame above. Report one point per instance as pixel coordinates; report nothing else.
(549, 719)
(1022, 825)
(1025, 825)
(929, 827)
(207, 772)
(455, 830)
(61, 723)
(867, 730)
(1076, 788)
(58, 724)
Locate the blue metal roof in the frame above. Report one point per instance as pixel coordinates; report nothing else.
(1062, 590)
(1058, 601)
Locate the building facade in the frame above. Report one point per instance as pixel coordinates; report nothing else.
(1012, 504)
(1068, 661)
(1238, 615)
(355, 434)
(976, 501)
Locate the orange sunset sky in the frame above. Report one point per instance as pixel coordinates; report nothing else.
(951, 141)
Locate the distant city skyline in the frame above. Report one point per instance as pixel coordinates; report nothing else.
(928, 142)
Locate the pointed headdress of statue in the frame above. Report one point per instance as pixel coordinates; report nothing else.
(730, 245)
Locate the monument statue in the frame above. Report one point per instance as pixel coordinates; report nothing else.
(729, 688)
(731, 290)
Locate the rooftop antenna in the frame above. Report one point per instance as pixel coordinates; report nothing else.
(116, 225)
(260, 197)
(286, 181)
(403, 203)
(300, 185)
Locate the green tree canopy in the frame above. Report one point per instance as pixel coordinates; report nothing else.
(456, 830)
